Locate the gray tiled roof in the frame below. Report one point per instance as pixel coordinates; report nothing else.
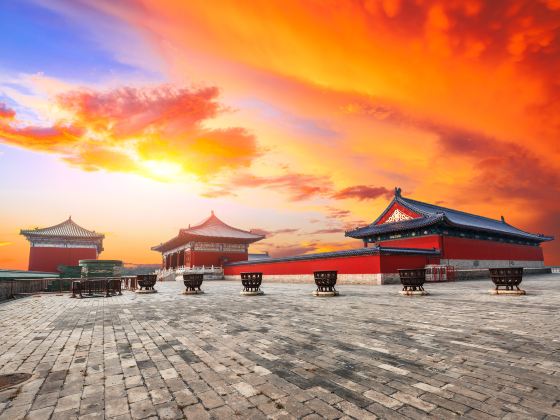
(67, 229)
(404, 225)
(215, 228)
(433, 214)
(212, 227)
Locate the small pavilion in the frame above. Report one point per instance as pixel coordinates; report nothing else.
(62, 244)
(209, 243)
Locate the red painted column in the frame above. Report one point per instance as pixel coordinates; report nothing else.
(182, 257)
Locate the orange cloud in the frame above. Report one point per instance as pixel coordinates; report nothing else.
(455, 101)
(6, 113)
(153, 131)
(270, 233)
(492, 64)
(363, 192)
(297, 186)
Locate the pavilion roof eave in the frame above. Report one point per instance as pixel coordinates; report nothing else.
(413, 224)
(185, 238)
(30, 235)
(521, 234)
(406, 225)
(67, 229)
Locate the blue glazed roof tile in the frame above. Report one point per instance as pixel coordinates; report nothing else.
(433, 214)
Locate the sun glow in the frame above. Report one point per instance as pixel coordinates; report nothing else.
(162, 170)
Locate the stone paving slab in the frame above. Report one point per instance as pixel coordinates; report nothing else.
(368, 353)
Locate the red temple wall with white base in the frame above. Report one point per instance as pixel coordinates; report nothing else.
(364, 269)
(49, 258)
(465, 253)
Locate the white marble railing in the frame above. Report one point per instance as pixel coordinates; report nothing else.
(210, 270)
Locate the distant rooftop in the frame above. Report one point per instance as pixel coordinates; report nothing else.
(431, 214)
(66, 229)
(210, 228)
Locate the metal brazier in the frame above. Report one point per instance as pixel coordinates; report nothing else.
(146, 281)
(325, 281)
(251, 281)
(507, 278)
(193, 281)
(413, 280)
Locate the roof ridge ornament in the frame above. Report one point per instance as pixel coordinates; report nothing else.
(397, 191)
(503, 219)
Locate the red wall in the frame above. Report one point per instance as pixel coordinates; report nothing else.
(391, 263)
(48, 259)
(424, 242)
(199, 258)
(476, 249)
(362, 264)
(470, 249)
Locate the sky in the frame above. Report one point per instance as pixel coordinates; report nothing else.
(298, 118)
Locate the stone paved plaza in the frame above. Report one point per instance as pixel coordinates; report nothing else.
(368, 353)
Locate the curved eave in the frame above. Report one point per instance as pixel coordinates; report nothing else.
(393, 227)
(410, 204)
(521, 235)
(183, 239)
(35, 235)
(433, 220)
(205, 238)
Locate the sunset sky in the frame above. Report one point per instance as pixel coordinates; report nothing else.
(294, 117)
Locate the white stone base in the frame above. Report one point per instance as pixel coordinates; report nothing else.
(479, 264)
(508, 292)
(145, 291)
(372, 279)
(414, 293)
(193, 292)
(246, 293)
(325, 294)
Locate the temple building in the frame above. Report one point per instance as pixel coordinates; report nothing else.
(209, 243)
(62, 244)
(465, 240)
(412, 234)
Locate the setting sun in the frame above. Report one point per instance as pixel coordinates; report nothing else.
(165, 171)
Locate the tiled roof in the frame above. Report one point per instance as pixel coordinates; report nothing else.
(340, 254)
(66, 229)
(404, 225)
(210, 228)
(215, 228)
(432, 214)
(468, 220)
